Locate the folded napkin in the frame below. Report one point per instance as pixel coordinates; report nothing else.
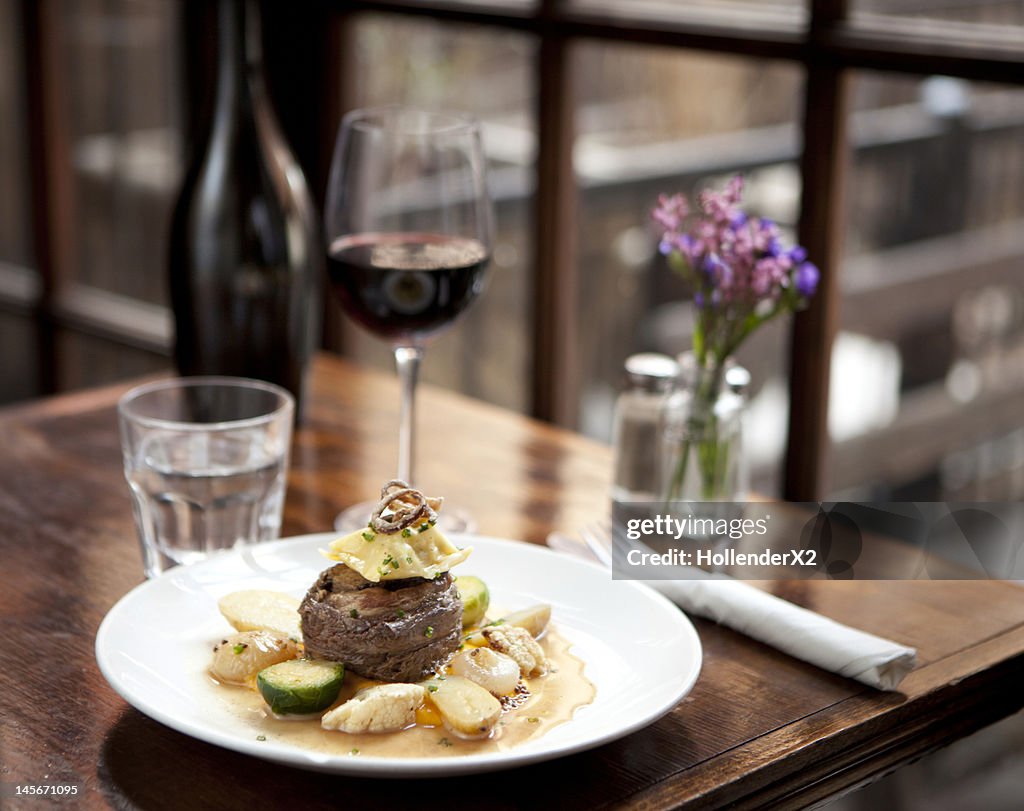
(789, 628)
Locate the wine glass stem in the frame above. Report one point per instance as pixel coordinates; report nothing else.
(407, 360)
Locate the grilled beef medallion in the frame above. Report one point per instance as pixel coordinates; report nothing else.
(393, 630)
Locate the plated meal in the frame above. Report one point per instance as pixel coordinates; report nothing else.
(619, 655)
(390, 654)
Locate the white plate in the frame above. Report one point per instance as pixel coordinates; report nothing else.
(640, 651)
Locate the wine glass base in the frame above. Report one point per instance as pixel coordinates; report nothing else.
(451, 520)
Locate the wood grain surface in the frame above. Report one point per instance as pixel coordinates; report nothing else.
(758, 730)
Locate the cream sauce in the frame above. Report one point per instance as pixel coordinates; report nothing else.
(553, 700)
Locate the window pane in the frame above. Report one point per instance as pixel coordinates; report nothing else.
(19, 375)
(121, 82)
(741, 13)
(656, 121)
(488, 73)
(927, 380)
(511, 5)
(15, 203)
(987, 12)
(85, 360)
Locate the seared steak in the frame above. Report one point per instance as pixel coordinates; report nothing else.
(394, 630)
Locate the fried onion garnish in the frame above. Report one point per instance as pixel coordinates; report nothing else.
(404, 505)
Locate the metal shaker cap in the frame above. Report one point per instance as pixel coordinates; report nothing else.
(651, 371)
(737, 379)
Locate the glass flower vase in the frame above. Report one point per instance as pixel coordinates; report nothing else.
(702, 433)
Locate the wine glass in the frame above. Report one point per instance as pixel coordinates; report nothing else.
(409, 230)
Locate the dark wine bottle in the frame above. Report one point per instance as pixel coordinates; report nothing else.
(245, 258)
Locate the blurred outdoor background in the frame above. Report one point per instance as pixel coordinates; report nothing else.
(927, 380)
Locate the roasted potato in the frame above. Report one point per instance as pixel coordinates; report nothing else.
(238, 658)
(258, 610)
(466, 708)
(534, 619)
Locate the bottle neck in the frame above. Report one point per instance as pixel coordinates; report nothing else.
(239, 58)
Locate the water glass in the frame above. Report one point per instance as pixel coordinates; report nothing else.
(206, 459)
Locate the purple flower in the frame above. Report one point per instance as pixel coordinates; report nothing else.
(670, 212)
(687, 246)
(740, 271)
(763, 277)
(721, 207)
(734, 189)
(806, 279)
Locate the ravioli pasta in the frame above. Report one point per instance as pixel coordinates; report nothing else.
(415, 552)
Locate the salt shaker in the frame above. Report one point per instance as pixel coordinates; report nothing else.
(636, 437)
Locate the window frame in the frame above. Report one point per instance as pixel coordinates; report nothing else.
(824, 37)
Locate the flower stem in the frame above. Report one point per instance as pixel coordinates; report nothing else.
(700, 437)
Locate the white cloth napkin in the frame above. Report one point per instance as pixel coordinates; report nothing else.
(789, 628)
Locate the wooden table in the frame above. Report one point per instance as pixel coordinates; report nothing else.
(758, 729)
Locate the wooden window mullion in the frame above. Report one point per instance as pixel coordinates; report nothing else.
(555, 370)
(341, 95)
(49, 151)
(822, 170)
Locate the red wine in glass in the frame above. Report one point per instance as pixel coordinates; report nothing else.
(409, 228)
(406, 286)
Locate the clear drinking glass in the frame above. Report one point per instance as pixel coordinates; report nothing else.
(409, 228)
(206, 459)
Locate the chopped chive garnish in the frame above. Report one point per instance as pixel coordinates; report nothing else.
(353, 613)
(261, 737)
(368, 536)
(407, 533)
(241, 646)
(400, 613)
(445, 742)
(432, 688)
(429, 632)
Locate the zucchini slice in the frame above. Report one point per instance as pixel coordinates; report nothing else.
(476, 599)
(301, 686)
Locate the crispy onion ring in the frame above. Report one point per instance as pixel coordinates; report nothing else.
(407, 507)
(397, 484)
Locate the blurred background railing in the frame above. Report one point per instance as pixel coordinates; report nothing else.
(887, 135)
